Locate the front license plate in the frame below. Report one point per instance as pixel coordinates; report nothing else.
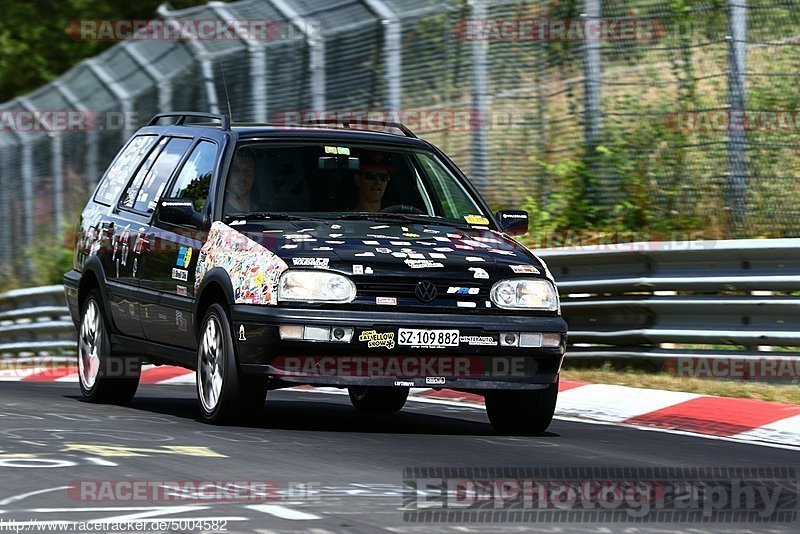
(417, 337)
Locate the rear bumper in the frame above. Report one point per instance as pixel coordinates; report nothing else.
(375, 355)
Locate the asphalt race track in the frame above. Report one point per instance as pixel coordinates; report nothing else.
(329, 468)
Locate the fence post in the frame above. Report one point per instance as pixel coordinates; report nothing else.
(27, 202)
(737, 77)
(92, 137)
(26, 171)
(6, 148)
(316, 50)
(392, 44)
(161, 79)
(480, 107)
(56, 167)
(258, 64)
(201, 54)
(122, 95)
(592, 80)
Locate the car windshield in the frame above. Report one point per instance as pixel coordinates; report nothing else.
(275, 181)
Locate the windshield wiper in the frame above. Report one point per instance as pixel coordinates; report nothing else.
(269, 215)
(406, 217)
(410, 217)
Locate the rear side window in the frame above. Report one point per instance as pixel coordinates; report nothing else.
(122, 168)
(195, 178)
(150, 181)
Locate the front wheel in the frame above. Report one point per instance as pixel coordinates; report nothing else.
(103, 377)
(378, 399)
(523, 412)
(224, 395)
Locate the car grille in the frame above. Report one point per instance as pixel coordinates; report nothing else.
(406, 289)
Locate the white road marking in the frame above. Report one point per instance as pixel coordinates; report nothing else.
(68, 378)
(105, 509)
(283, 512)
(152, 513)
(100, 461)
(178, 380)
(740, 441)
(21, 496)
(616, 403)
(784, 431)
(112, 520)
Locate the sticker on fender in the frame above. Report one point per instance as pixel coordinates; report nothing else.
(416, 337)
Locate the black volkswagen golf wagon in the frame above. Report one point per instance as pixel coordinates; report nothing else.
(334, 254)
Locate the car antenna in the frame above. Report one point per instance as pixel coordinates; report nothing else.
(225, 85)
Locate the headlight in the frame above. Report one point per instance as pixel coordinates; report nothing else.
(527, 294)
(310, 286)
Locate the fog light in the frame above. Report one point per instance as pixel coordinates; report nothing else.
(316, 333)
(530, 339)
(551, 339)
(291, 331)
(509, 339)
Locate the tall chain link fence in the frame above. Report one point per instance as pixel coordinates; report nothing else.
(651, 115)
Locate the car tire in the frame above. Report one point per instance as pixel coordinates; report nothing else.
(103, 377)
(378, 399)
(524, 412)
(223, 393)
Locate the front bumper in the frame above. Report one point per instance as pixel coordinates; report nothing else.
(375, 356)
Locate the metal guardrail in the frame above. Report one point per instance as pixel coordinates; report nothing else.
(35, 320)
(648, 300)
(642, 299)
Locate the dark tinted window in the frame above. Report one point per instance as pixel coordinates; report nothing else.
(129, 196)
(123, 167)
(195, 177)
(149, 185)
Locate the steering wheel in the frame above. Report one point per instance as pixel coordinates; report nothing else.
(402, 208)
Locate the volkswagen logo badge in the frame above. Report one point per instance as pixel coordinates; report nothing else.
(425, 290)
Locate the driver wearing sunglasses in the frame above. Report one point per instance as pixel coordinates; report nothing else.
(371, 181)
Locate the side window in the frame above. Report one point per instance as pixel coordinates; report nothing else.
(129, 196)
(195, 177)
(122, 168)
(454, 199)
(153, 181)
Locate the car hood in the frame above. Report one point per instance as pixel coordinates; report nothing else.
(391, 248)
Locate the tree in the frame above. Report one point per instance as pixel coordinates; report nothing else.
(35, 47)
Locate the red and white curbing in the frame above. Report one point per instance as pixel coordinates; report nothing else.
(748, 420)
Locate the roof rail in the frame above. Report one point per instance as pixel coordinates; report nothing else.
(183, 115)
(346, 124)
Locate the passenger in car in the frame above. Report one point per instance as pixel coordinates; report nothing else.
(371, 181)
(238, 197)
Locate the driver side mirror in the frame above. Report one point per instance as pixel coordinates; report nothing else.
(179, 211)
(513, 222)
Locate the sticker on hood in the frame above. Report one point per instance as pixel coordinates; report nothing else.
(253, 269)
